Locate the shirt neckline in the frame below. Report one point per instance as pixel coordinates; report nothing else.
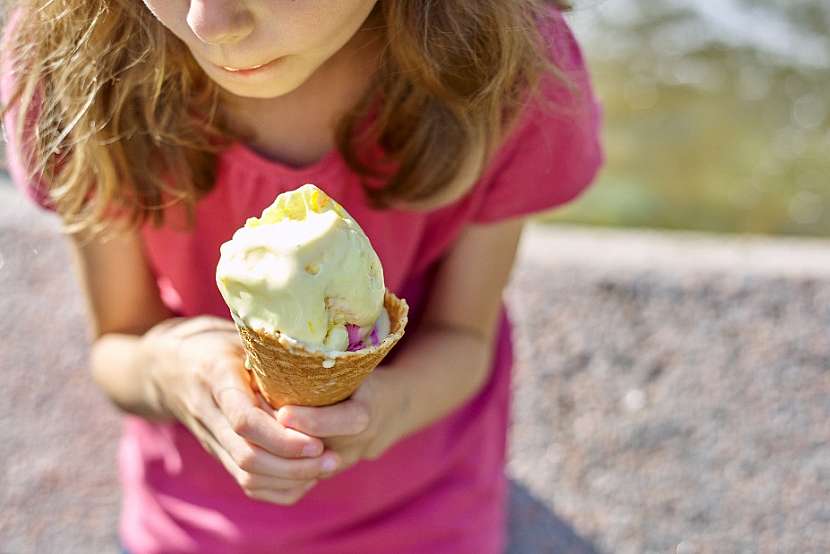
(259, 162)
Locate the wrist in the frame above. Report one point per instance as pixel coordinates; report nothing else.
(157, 353)
(396, 405)
(118, 364)
(441, 371)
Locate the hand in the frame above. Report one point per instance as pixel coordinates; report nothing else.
(362, 427)
(197, 374)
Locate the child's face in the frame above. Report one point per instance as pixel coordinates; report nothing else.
(291, 37)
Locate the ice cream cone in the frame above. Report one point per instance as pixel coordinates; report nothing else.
(288, 373)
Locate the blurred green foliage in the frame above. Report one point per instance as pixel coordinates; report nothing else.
(714, 120)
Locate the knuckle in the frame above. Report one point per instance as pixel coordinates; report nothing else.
(224, 363)
(241, 423)
(246, 480)
(196, 402)
(284, 500)
(309, 424)
(191, 404)
(292, 449)
(206, 372)
(245, 458)
(205, 442)
(293, 496)
(261, 495)
(302, 472)
(200, 376)
(361, 419)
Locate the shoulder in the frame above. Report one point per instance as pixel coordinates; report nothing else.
(564, 99)
(552, 151)
(563, 47)
(563, 105)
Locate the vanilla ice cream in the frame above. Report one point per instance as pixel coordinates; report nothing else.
(305, 269)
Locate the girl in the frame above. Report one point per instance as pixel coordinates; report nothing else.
(155, 128)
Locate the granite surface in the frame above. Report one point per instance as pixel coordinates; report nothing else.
(672, 394)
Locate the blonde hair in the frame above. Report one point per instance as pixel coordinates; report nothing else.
(127, 120)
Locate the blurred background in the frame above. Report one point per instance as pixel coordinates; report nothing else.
(717, 114)
(672, 388)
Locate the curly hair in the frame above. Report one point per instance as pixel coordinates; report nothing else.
(127, 120)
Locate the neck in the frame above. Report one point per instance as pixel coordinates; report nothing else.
(298, 128)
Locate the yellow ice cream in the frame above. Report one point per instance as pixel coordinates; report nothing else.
(304, 268)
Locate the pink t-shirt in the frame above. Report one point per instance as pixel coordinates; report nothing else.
(443, 489)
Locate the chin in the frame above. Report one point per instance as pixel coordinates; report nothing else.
(280, 83)
(259, 90)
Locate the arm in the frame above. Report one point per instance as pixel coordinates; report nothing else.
(449, 359)
(123, 303)
(445, 364)
(188, 369)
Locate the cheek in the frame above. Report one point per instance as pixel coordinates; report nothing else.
(170, 13)
(160, 9)
(322, 25)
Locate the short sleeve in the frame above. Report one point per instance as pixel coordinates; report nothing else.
(554, 151)
(19, 154)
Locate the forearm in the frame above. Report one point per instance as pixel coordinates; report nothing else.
(119, 365)
(439, 371)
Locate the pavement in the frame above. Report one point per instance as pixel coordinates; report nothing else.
(672, 394)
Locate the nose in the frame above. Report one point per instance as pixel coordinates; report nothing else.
(220, 21)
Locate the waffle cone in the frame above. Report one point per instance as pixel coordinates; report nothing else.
(287, 373)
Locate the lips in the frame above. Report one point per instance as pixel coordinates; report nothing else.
(246, 69)
(235, 69)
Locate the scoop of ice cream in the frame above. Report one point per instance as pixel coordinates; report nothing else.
(306, 269)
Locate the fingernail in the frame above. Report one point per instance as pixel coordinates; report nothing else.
(311, 450)
(329, 464)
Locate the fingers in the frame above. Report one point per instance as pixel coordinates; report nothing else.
(350, 417)
(254, 467)
(286, 498)
(259, 487)
(238, 403)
